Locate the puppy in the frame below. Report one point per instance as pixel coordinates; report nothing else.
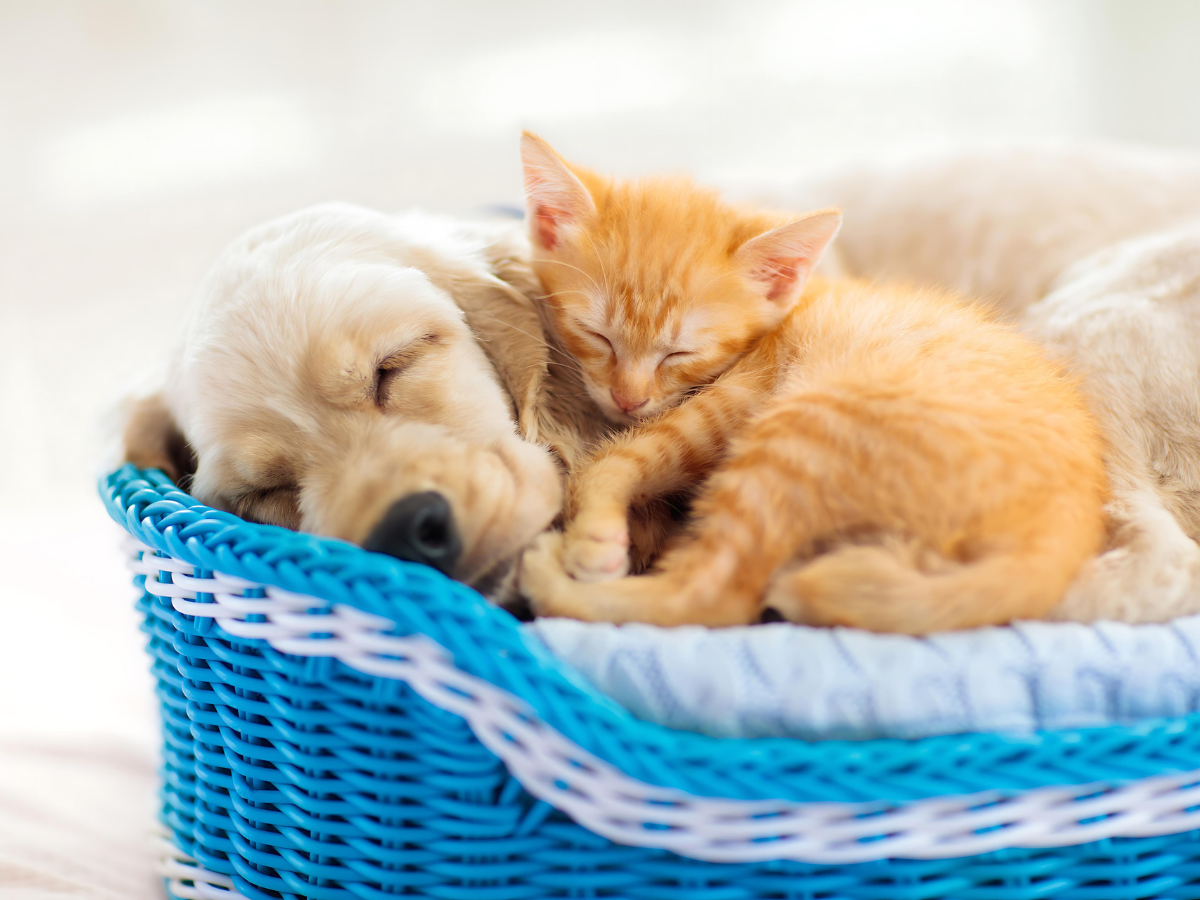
(997, 222)
(1129, 319)
(362, 376)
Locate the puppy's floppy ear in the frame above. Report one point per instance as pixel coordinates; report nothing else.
(515, 340)
(780, 260)
(496, 292)
(555, 199)
(152, 440)
(510, 328)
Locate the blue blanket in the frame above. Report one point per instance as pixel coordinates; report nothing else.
(790, 680)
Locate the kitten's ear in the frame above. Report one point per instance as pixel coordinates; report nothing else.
(782, 259)
(554, 197)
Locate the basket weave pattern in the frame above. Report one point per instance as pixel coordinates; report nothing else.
(289, 773)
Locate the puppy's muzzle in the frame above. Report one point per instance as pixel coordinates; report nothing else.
(418, 528)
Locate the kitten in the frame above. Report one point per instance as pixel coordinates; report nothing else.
(872, 456)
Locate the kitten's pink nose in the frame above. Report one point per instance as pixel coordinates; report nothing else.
(628, 404)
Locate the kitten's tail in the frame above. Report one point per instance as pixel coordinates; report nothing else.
(888, 588)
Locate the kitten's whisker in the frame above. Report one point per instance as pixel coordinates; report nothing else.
(539, 339)
(566, 365)
(561, 293)
(554, 350)
(559, 262)
(711, 282)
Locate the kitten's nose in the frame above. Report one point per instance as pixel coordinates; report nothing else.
(628, 404)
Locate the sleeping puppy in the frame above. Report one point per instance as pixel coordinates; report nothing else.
(1129, 319)
(361, 376)
(998, 222)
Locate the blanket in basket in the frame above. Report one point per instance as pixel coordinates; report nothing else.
(786, 680)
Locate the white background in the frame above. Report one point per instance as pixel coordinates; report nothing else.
(137, 138)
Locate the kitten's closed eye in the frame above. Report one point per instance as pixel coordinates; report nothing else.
(678, 355)
(601, 338)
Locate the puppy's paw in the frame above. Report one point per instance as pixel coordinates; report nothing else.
(596, 549)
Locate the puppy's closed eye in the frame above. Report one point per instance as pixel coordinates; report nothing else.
(270, 506)
(395, 364)
(383, 381)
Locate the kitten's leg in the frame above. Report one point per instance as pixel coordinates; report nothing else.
(763, 506)
(666, 455)
(553, 592)
(652, 525)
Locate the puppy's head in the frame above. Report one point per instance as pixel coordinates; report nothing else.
(353, 374)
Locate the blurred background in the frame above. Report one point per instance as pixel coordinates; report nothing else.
(136, 138)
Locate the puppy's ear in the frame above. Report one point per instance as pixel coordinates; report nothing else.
(519, 350)
(555, 199)
(497, 301)
(153, 441)
(505, 317)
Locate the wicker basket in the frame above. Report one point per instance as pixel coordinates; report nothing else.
(343, 726)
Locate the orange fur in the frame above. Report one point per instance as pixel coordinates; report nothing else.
(871, 456)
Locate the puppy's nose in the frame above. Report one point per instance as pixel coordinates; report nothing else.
(627, 404)
(418, 528)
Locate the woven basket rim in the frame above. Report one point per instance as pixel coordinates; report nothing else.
(489, 643)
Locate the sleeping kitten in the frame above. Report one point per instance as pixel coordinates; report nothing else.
(872, 456)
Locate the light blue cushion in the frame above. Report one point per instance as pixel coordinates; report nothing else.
(786, 680)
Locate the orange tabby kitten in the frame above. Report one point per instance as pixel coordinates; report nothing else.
(880, 457)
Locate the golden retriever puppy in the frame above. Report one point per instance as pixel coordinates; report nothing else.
(361, 376)
(1129, 319)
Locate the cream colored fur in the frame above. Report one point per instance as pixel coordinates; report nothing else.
(1129, 316)
(999, 222)
(271, 387)
(1091, 249)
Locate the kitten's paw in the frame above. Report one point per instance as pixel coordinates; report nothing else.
(784, 600)
(596, 550)
(542, 580)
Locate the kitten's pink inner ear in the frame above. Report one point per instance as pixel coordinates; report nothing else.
(544, 223)
(782, 259)
(781, 275)
(554, 197)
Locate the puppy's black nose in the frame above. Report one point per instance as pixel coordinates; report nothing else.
(418, 528)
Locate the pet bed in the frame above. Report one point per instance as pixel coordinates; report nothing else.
(341, 725)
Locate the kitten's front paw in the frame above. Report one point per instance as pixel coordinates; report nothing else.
(596, 549)
(542, 579)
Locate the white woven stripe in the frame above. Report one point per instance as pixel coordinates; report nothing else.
(187, 879)
(608, 802)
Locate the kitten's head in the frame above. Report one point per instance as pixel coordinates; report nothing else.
(655, 286)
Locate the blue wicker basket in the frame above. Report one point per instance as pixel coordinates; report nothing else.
(339, 725)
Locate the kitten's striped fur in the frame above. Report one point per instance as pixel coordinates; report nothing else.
(871, 456)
